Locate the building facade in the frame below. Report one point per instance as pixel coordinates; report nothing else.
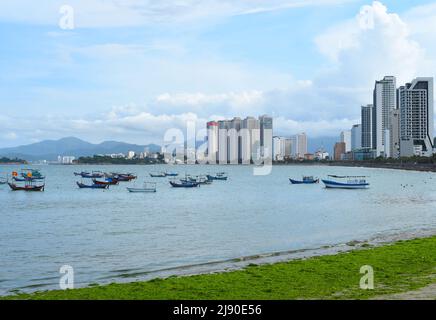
(346, 138)
(367, 127)
(416, 102)
(356, 137)
(385, 100)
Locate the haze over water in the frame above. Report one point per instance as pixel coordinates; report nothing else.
(112, 235)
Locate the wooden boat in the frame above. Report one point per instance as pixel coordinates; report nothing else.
(171, 174)
(306, 180)
(93, 175)
(149, 187)
(125, 177)
(27, 187)
(158, 175)
(201, 180)
(24, 179)
(93, 186)
(32, 174)
(108, 182)
(184, 184)
(217, 177)
(346, 182)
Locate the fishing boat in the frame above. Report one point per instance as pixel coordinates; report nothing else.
(92, 186)
(346, 182)
(200, 179)
(108, 182)
(306, 180)
(24, 179)
(149, 187)
(32, 173)
(28, 187)
(93, 175)
(171, 174)
(158, 175)
(220, 177)
(184, 184)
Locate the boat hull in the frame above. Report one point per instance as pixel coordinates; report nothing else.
(184, 185)
(138, 190)
(26, 188)
(303, 182)
(338, 185)
(95, 186)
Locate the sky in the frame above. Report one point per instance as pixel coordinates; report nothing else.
(129, 70)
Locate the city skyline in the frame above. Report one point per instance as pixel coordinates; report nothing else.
(128, 75)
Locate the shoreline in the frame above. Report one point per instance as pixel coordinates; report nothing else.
(266, 264)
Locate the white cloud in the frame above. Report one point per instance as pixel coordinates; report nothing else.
(373, 44)
(117, 13)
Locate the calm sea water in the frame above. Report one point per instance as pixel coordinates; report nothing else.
(112, 235)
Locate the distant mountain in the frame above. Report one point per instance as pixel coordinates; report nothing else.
(51, 149)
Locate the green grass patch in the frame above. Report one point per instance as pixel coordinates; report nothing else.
(400, 267)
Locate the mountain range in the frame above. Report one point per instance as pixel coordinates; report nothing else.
(51, 149)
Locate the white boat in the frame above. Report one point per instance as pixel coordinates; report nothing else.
(149, 187)
(346, 182)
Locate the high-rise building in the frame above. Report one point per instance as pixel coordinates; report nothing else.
(240, 141)
(234, 141)
(223, 141)
(394, 131)
(416, 104)
(356, 137)
(367, 127)
(339, 151)
(385, 100)
(266, 135)
(212, 141)
(277, 149)
(346, 138)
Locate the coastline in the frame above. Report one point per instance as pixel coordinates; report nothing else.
(402, 262)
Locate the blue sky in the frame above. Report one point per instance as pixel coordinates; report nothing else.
(129, 70)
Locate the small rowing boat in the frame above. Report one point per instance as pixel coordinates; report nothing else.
(184, 184)
(158, 175)
(218, 177)
(306, 180)
(149, 187)
(92, 186)
(108, 182)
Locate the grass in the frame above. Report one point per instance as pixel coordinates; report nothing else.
(399, 267)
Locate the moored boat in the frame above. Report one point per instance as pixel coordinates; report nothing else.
(92, 186)
(184, 184)
(149, 187)
(158, 175)
(346, 182)
(108, 182)
(171, 174)
(87, 175)
(219, 177)
(306, 180)
(27, 187)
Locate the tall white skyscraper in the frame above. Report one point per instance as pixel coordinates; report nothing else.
(356, 137)
(416, 102)
(298, 146)
(385, 100)
(223, 141)
(346, 138)
(266, 136)
(394, 131)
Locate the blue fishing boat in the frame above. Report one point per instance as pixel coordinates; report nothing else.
(158, 175)
(184, 184)
(306, 180)
(93, 175)
(92, 186)
(346, 182)
(171, 174)
(219, 177)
